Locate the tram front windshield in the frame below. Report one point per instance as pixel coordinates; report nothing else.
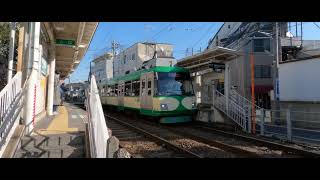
(173, 83)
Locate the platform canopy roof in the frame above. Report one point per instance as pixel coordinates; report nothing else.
(214, 55)
(72, 40)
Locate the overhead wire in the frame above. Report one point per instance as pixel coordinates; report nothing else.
(204, 35)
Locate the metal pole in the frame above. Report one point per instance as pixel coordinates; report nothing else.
(11, 51)
(227, 86)
(289, 127)
(263, 112)
(296, 29)
(213, 93)
(253, 112)
(301, 34)
(276, 74)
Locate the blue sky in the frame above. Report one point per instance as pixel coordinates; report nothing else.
(181, 35)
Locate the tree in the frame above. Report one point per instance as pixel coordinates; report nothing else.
(4, 52)
(4, 40)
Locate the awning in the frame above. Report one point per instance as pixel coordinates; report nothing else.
(218, 55)
(72, 40)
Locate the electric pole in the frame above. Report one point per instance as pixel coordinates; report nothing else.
(114, 46)
(276, 72)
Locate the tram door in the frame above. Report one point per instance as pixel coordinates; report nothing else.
(146, 90)
(121, 94)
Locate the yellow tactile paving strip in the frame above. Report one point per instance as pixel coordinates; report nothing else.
(59, 125)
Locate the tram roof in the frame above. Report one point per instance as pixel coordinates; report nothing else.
(136, 75)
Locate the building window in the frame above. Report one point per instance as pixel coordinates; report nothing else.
(261, 45)
(262, 71)
(124, 59)
(133, 57)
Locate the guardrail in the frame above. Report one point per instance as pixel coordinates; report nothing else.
(10, 106)
(97, 127)
(295, 126)
(286, 124)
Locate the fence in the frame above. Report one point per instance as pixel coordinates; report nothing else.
(10, 106)
(98, 131)
(287, 124)
(296, 126)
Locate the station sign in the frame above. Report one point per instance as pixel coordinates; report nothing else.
(65, 42)
(217, 67)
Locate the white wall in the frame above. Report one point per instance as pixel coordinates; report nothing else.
(300, 80)
(142, 52)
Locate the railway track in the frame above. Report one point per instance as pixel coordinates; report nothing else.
(141, 143)
(197, 145)
(224, 144)
(293, 149)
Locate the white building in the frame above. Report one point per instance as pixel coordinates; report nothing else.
(133, 57)
(103, 67)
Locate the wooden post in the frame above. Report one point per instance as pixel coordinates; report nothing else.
(253, 121)
(20, 49)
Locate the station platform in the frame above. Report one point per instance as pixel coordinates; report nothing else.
(58, 136)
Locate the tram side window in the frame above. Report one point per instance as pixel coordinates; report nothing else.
(103, 90)
(116, 90)
(128, 88)
(149, 88)
(135, 88)
(111, 90)
(108, 90)
(143, 86)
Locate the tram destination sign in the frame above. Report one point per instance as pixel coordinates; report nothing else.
(65, 42)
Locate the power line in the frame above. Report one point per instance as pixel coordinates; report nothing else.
(316, 25)
(204, 35)
(153, 37)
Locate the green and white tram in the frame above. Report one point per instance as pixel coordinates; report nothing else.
(164, 92)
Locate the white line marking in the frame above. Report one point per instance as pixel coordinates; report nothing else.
(73, 116)
(81, 116)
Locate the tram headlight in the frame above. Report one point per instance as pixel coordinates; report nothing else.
(193, 105)
(164, 106)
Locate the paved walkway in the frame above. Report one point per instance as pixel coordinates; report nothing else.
(59, 136)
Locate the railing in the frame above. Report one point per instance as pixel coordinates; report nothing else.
(233, 110)
(296, 126)
(10, 106)
(98, 131)
(285, 124)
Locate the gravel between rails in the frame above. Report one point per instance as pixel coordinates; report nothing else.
(138, 145)
(200, 148)
(262, 151)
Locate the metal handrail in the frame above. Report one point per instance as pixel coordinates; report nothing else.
(10, 98)
(98, 131)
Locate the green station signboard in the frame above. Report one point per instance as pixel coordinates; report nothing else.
(65, 42)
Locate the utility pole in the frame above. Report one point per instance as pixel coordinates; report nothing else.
(253, 111)
(276, 72)
(114, 46)
(11, 50)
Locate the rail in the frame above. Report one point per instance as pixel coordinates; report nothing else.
(98, 131)
(10, 106)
